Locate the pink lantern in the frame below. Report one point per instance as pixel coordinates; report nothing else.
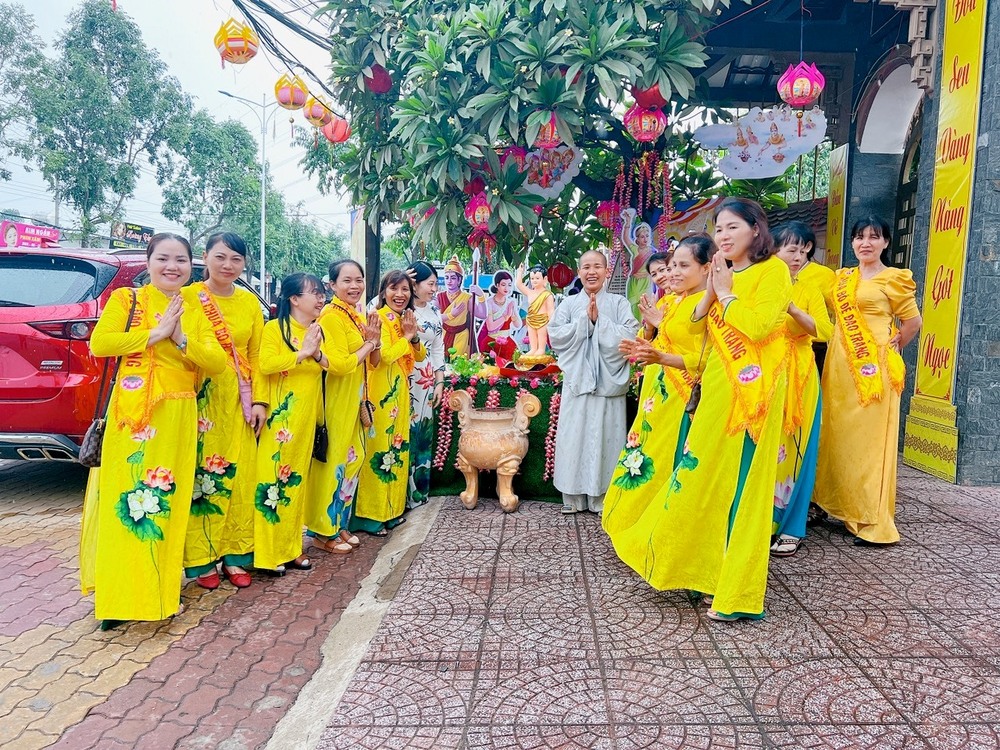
(379, 82)
(649, 98)
(291, 92)
(518, 153)
(317, 112)
(478, 211)
(645, 125)
(548, 136)
(337, 130)
(801, 84)
(607, 212)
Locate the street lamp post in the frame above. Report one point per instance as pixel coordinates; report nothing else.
(263, 117)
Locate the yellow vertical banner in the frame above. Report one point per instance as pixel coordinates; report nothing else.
(931, 440)
(836, 207)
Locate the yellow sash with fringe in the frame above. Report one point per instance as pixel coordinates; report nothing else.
(752, 384)
(864, 356)
(222, 334)
(407, 362)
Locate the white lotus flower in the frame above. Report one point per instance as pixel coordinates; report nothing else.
(142, 503)
(633, 463)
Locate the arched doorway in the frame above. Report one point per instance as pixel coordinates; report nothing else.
(906, 195)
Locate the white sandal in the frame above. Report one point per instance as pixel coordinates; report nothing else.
(785, 546)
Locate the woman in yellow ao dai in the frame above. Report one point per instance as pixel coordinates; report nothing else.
(292, 357)
(232, 407)
(862, 382)
(807, 321)
(656, 439)
(385, 473)
(353, 345)
(710, 529)
(137, 504)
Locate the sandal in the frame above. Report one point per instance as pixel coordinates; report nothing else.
(348, 538)
(719, 617)
(332, 546)
(299, 563)
(785, 546)
(707, 600)
(816, 515)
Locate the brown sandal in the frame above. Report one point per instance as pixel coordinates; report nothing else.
(334, 548)
(348, 538)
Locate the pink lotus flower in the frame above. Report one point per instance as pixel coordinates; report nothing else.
(492, 380)
(216, 464)
(473, 380)
(146, 433)
(633, 440)
(284, 472)
(159, 478)
(204, 425)
(283, 435)
(782, 453)
(535, 382)
(352, 455)
(397, 441)
(647, 405)
(394, 412)
(514, 382)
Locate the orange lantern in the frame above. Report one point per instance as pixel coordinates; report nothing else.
(337, 130)
(237, 42)
(317, 112)
(548, 136)
(291, 92)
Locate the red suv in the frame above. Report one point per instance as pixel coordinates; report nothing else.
(50, 301)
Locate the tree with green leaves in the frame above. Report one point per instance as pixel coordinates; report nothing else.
(470, 78)
(19, 63)
(100, 108)
(212, 180)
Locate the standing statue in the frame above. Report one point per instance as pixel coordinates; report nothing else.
(456, 309)
(541, 306)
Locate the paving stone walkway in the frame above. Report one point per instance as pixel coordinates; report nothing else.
(512, 631)
(525, 631)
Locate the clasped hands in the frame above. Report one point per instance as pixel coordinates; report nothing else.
(640, 350)
(169, 326)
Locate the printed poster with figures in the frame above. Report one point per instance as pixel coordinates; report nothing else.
(931, 440)
(836, 207)
(551, 169)
(764, 142)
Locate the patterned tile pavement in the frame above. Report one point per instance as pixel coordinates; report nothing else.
(525, 631)
(518, 631)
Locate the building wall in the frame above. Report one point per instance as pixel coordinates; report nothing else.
(872, 183)
(977, 392)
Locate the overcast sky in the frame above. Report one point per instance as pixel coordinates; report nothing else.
(181, 31)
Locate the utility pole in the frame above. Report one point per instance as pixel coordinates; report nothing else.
(265, 290)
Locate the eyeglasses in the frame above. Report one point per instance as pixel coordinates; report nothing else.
(313, 293)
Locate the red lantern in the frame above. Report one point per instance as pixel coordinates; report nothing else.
(291, 92)
(478, 211)
(337, 130)
(476, 185)
(607, 213)
(548, 136)
(649, 98)
(317, 112)
(800, 85)
(483, 240)
(379, 82)
(645, 125)
(237, 42)
(561, 275)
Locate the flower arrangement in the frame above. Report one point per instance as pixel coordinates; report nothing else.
(550, 437)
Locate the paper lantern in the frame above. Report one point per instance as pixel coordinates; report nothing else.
(548, 136)
(645, 125)
(480, 239)
(561, 275)
(379, 82)
(237, 42)
(800, 85)
(518, 153)
(478, 211)
(607, 213)
(337, 130)
(291, 92)
(317, 112)
(649, 98)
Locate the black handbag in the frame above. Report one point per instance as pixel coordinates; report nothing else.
(321, 440)
(93, 439)
(695, 398)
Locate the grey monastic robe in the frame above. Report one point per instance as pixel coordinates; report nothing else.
(592, 427)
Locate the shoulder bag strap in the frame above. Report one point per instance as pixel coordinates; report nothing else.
(104, 394)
